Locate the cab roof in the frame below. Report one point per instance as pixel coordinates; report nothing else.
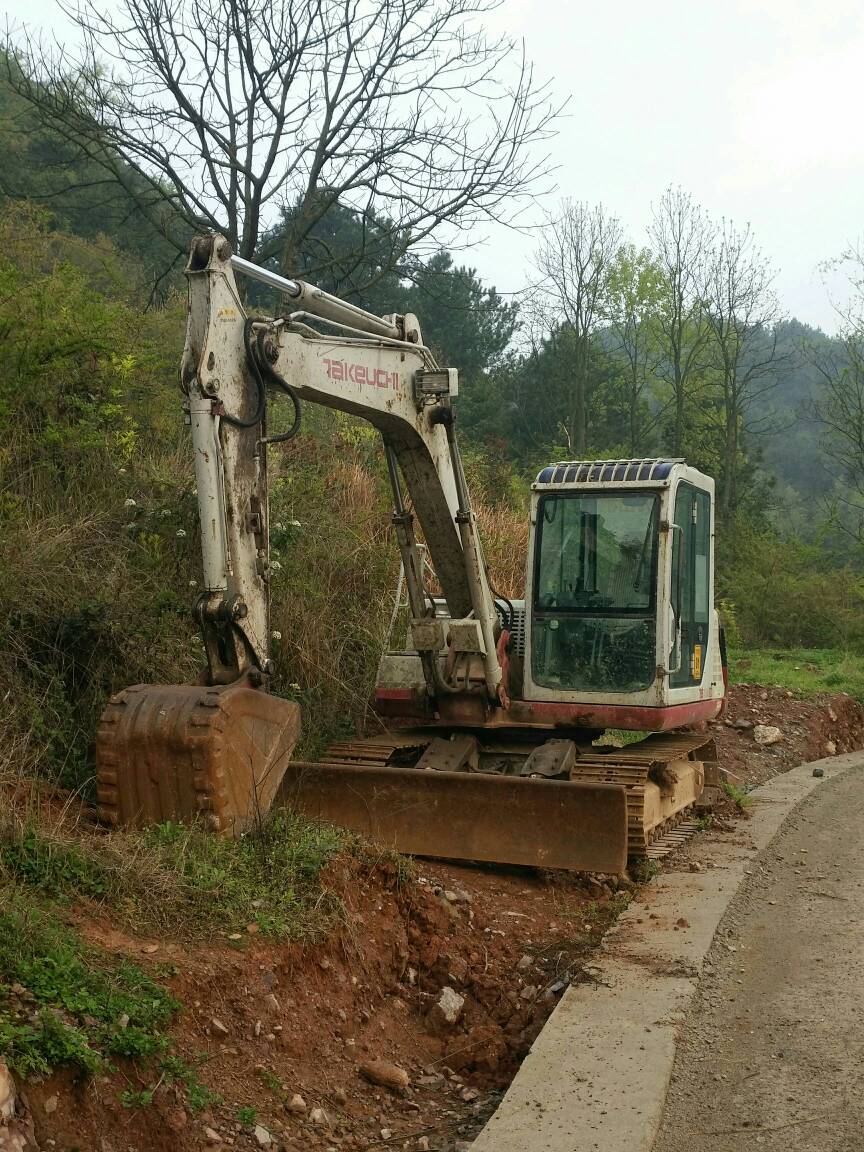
(608, 472)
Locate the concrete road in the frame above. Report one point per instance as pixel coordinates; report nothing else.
(772, 1053)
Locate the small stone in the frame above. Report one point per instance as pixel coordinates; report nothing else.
(423, 1144)
(386, 1133)
(296, 1103)
(447, 1009)
(469, 1095)
(830, 748)
(253, 929)
(319, 1118)
(212, 1136)
(7, 1093)
(123, 1021)
(818, 772)
(235, 935)
(384, 1073)
(149, 949)
(263, 1136)
(175, 1119)
(272, 1002)
(217, 1026)
(525, 963)
(340, 1097)
(767, 734)
(51, 1104)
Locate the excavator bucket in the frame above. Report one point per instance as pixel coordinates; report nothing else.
(468, 815)
(184, 753)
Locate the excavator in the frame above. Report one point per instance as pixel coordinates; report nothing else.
(492, 711)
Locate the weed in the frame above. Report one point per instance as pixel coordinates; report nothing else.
(644, 870)
(737, 795)
(182, 878)
(61, 1003)
(270, 1080)
(247, 1117)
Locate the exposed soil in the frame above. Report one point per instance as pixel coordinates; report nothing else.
(266, 1021)
(810, 729)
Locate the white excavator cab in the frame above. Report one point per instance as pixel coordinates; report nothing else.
(620, 593)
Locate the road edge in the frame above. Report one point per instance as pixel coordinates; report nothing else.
(596, 1077)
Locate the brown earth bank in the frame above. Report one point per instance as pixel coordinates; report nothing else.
(402, 1029)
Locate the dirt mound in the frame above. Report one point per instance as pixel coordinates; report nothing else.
(810, 729)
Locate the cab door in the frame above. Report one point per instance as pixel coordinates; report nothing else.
(690, 593)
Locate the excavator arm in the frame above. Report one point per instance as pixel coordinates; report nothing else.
(376, 368)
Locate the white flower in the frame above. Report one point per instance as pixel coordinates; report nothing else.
(122, 471)
(294, 686)
(275, 565)
(193, 583)
(295, 523)
(276, 634)
(130, 503)
(180, 533)
(165, 512)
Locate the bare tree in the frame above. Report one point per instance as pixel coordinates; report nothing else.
(740, 311)
(574, 260)
(224, 114)
(681, 236)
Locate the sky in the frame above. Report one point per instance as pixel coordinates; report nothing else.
(753, 106)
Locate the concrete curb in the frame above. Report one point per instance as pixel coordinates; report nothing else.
(597, 1075)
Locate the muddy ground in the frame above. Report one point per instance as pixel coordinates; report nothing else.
(267, 1023)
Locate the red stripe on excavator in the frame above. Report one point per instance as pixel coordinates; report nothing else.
(631, 717)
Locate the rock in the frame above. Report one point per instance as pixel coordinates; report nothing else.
(469, 1095)
(296, 1103)
(830, 748)
(766, 735)
(525, 963)
(742, 725)
(272, 1003)
(340, 1097)
(217, 1026)
(832, 715)
(7, 1093)
(263, 1136)
(818, 772)
(384, 1073)
(386, 1133)
(51, 1104)
(149, 949)
(212, 1136)
(319, 1118)
(423, 1144)
(447, 1009)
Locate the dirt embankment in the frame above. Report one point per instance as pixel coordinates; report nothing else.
(266, 1023)
(446, 977)
(810, 729)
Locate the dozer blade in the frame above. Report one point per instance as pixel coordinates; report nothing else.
(183, 753)
(468, 815)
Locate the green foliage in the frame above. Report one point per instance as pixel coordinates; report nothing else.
(247, 1117)
(803, 671)
(77, 1007)
(779, 591)
(184, 878)
(738, 796)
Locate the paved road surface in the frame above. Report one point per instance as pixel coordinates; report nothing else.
(772, 1056)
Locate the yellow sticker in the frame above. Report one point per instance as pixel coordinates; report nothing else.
(697, 661)
(226, 314)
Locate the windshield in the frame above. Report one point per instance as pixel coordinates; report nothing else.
(594, 591)
(597, 552)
